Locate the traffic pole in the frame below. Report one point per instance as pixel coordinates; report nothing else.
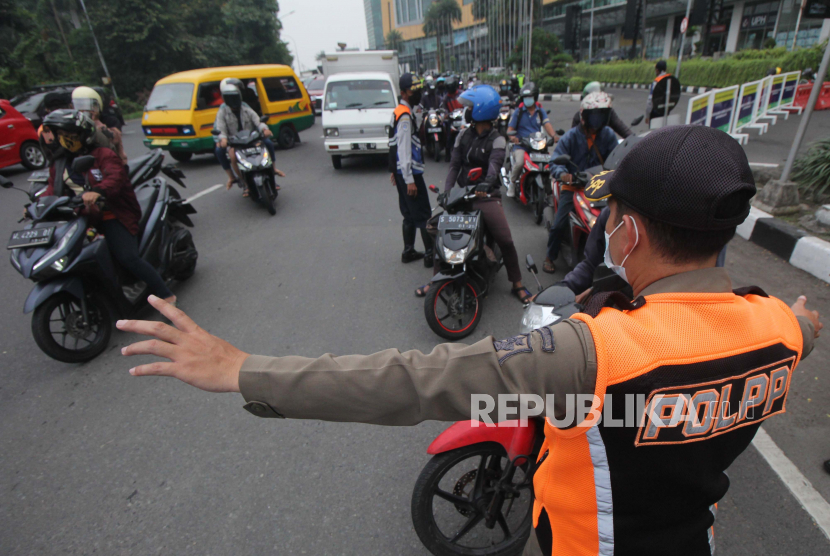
(683, 39)
(805, 120)
(98, 48)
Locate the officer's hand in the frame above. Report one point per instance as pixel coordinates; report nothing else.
(196, 357)
(583, 296)
(800, 310)
(89, 198)
(223, 143)
(412, 190)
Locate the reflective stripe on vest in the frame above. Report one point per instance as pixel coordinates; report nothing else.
(650, 486)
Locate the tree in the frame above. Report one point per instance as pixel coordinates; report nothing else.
(544, 47)
(438, 22)
(394, 40)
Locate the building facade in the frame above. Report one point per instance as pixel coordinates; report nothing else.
(374, 23)
(726, 26)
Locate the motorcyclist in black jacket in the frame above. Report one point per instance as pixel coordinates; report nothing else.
(615, 123)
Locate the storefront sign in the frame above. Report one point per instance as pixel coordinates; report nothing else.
(790, 84)
(747, 98)
(757, 21)
(717, 29)
(723, 108)
(775, 92)
(700, 108)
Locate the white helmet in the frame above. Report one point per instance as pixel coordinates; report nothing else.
(87, 99)
(595, 111)
(595, 100)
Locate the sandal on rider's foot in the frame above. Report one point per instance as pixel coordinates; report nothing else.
(422, 291)
(523, 298)
(245, 192)
(548, 267)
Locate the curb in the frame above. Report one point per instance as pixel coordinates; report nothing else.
(792, 244)
(564, 96)
(693, 90)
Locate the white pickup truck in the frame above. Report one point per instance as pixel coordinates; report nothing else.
(360, 96)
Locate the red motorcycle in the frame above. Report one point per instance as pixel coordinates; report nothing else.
(475, 497)
(534, 186)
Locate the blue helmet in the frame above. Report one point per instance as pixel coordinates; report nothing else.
(484, 101)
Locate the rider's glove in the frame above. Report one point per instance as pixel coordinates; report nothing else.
(483, 187)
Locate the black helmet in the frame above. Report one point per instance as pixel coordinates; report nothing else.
(74, 122)
(452, 84)
(231, 89)
(530, 90)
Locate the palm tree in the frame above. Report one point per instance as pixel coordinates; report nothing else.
(394, 39)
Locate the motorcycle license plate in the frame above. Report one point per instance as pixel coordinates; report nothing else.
(457, 222)
(434, 130)
(539, 157)
(37, 237)
(160, 142)
(364, 146)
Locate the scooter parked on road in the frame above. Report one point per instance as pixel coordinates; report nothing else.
(467, 260)
(256, 166)
(79, 287)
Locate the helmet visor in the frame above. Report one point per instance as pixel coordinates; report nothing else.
(596, 118)
(86, 105)
(233, 99)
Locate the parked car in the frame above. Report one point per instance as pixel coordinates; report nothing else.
(18, 139)
(31, 103)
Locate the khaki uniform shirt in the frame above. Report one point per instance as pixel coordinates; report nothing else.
(394, 388)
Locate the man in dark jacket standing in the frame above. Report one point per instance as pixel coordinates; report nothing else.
(406, 166)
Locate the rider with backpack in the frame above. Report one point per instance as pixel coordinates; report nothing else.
(528, 118)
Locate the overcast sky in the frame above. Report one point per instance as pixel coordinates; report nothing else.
(319, 25)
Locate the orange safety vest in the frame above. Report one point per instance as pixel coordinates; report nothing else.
(651, 487)
(659, 78)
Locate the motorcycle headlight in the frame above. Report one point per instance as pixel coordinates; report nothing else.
(586, 210)
(504, 115)
(240, 158)
(538, 144)
(332, 132)
(67, 237)
(537, 316)
(455, 257)
(433, 120)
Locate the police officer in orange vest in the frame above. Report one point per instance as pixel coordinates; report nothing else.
(660, 69)
(710, 363)
(406, 168)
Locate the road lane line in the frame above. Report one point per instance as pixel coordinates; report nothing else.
(798, 484)
(210, 189)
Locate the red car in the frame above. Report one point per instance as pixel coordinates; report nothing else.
(18, 140)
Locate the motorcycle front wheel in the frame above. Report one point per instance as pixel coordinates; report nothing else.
(60, 331)
(466, 502)
(453, 309)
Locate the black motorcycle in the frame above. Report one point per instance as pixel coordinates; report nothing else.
(256, 166)
(79, 287)
(468, 260)
(435, 137)
(455, 123)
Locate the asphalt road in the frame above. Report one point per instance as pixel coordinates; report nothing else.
(96, 461)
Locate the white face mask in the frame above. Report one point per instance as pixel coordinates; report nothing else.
(618, 269)
(528, 101)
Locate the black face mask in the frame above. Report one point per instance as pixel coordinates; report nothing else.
(414, 98)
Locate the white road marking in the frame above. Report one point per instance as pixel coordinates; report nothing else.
(210, 189)
(798, 485)
(764, 164)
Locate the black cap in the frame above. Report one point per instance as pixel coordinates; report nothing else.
(692, 177)
(661, 65)
(409, 81)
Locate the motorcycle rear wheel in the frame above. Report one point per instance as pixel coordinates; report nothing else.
(467, 490)
(445, 297)
(63, 309)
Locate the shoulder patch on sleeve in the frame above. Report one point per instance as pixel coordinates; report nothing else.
(506, 349)
(547, 339)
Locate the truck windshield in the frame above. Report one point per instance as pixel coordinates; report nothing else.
(171, 96)
(360, 93)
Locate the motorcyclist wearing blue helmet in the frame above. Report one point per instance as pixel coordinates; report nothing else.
(481, 146)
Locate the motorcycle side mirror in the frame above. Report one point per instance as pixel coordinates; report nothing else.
(264, 118)
(433, 188)
(560, 132)
(215, 132)
(561, 160)
(6, 183)
(531, 265)
(83, 164)
(474, 175)
(637, 120)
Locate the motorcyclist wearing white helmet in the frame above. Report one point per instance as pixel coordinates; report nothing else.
(87, 100)
(233, 116)
(588, 145)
